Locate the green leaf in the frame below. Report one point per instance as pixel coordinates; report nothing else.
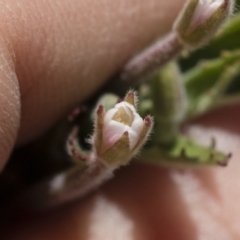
(185, 152)
(208, 82)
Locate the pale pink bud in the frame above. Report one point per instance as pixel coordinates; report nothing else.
(120, 132)
(200, 19)
(204, 9)
(122, 118)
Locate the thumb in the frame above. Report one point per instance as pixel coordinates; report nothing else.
(54, 54)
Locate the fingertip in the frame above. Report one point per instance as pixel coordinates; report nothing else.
(65, 50)
(9, 103)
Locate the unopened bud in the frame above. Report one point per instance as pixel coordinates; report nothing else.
(120, 132)
(200, 19)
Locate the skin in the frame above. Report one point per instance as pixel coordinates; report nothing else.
(54, 54)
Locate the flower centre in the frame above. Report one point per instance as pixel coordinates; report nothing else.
(123, 117)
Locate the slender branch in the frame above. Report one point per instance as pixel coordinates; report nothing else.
(64, 187)
(146, 63)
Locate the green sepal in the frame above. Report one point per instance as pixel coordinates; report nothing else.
(119, 153)
(75, 151)
(84, 154)
(185, 152)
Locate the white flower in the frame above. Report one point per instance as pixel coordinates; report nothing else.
(122, 118)
(120, 132)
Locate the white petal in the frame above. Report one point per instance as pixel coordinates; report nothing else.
(109, 114)
(133, 138)
(126, 106)
(112, 131)
(137, 124)
(204, 10)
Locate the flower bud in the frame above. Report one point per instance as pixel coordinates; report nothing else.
(120, 132)
(200, 19)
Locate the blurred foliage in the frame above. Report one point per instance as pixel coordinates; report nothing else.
(211, 58)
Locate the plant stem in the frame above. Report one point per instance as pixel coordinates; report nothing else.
(146, 63)
(64, 187)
